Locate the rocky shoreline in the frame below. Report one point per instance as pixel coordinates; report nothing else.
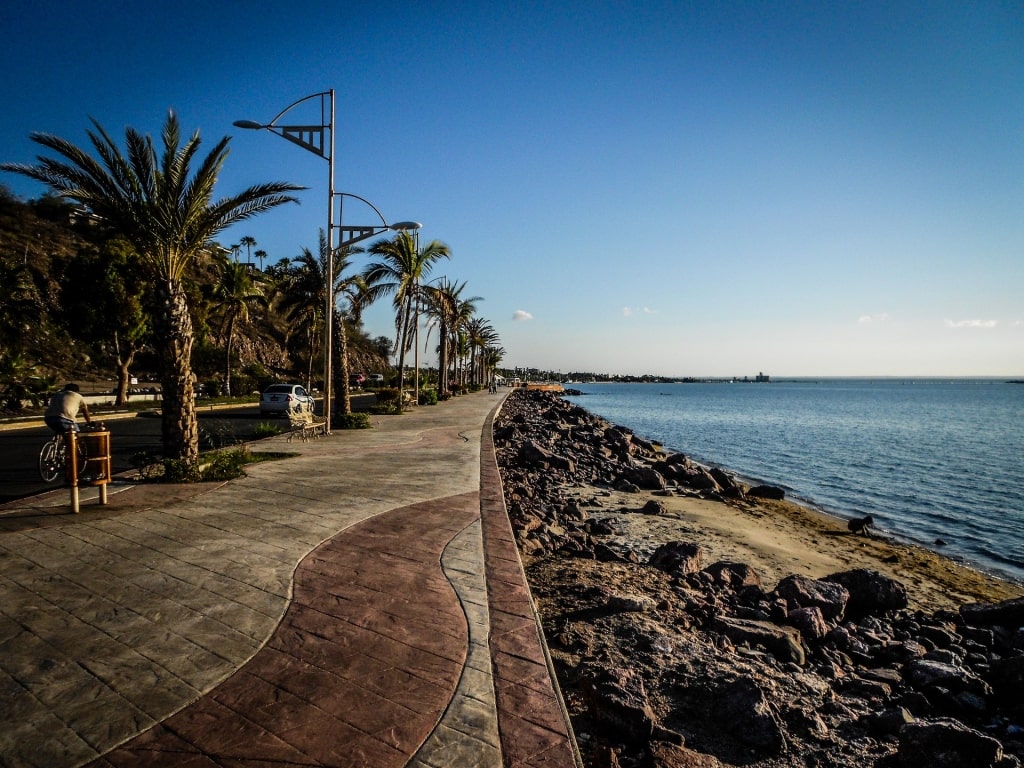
(694, 621)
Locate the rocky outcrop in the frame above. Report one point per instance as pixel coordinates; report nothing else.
(666, 660)
(946, 744)
(803, 592)
(766, 492)
(1009, 613)
(870, 592)
(681, 558)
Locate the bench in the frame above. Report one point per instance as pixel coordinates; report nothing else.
(305, 425)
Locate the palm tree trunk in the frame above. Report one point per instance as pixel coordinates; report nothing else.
(442, 361)
(227, 361)
(173, 327)
(343, 396)
(309, 368)
(403, 342)
(124, 362)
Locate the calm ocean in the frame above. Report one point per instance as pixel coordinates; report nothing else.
(929, 459)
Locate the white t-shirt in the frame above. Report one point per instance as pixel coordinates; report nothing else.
(66, 404)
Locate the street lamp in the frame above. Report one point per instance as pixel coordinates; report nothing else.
(416, 331)
(318, 138)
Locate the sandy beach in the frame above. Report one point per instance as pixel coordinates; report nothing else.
(779, 538)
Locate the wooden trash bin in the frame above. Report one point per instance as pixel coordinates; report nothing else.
(95, 470)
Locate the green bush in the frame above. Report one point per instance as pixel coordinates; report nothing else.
(428, 396)
(242, 385)
(387, 395)
(226, 465)
(387, 400)
(266, 429)
(353, 421)
(181, 471)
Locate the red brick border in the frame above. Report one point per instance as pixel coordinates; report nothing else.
(532, 722)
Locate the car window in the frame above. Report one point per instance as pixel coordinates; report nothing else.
(275, 388)
(301, 392)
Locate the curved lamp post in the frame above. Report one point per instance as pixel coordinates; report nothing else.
(318, 138)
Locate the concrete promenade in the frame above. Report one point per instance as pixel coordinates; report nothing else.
(359, 604)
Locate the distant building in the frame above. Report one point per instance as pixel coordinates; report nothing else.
(762, 377)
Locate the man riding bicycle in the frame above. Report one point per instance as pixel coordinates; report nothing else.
(63, 410)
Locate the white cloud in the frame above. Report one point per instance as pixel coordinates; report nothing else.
(521, 314)
(880, 317)
(972, 323)
(628, 311)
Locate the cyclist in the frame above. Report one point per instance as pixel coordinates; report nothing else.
(63, 410)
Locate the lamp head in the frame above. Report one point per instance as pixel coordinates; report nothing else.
(250, 124)
(406, 226)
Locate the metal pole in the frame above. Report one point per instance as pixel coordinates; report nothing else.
(416, 333)
(329, 278)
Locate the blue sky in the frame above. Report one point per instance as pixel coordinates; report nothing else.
(684, 189)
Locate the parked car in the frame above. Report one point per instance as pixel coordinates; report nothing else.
(356, 379)
(376, 380)
(279, 399)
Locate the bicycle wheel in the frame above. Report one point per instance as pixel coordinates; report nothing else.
(83, 458)
(51, 460)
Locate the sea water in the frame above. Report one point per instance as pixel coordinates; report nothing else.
(936, 462)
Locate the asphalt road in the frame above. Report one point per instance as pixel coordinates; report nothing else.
(129, 437)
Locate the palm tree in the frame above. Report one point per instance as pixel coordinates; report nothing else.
(461, 346)
(261, 255)
(169, 216)
(481, 335)
(448, 310)
(234, 293)
(460, 335)
(304, 300)
(400, 271)
(492, 357)
(249, 243)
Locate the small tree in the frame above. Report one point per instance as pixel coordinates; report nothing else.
(106, 299)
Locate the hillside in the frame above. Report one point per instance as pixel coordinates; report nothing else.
(72, 303)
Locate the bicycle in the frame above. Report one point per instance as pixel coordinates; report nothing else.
(53, 457)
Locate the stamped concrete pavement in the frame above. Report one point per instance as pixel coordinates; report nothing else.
(358, 604)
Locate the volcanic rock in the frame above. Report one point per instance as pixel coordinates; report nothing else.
(804, 592)
(678, 557)
(782, 642)
(870, 592)
(946, 744)
(766, 492)
(1009, 613)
